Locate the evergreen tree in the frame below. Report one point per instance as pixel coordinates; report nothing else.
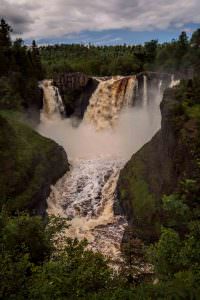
(5, 44)
(5, 31)
(36, 61)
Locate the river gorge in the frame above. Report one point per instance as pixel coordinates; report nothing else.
(118, 121)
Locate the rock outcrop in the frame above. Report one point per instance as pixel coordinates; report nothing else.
(32, 108)
(29, 164)
(157, 169)
(71, 81)
(76, 90)
(154, 81)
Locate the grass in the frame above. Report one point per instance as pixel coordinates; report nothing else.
(193, 112)
(25, 159)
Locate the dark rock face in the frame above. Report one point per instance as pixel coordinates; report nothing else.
(31, 163)
(158, 80)
(71, 81)
(76, 90)
(32, 109)
(83, 100)
(57, 166)
(153, 171)
(154, 79)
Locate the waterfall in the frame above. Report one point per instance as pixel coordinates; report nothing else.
(145, 91)
(85, 195)
(160, 86)
(52, 101)
(109, 99)
(59, 101)
(174, 82)
(136, 89)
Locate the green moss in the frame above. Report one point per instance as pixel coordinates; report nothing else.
(25, 159)
(136, 192)
(137, 200)
(144, 204)
(193, 112)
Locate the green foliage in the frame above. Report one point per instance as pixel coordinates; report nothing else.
(32, 268)
(188, 96)
(144, 200)
(25, 158)
(26, 234)
(165, 254)
(176, 256)
(150, 49)
(10, 97)
(19, 73)
(172, 255)
(75, 273)
(138, 190)
(103, 61)
(182, 55)
(24, 242)
(135, 194)
(177, 212)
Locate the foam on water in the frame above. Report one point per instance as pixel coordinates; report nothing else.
(112, 130)
(86, 196)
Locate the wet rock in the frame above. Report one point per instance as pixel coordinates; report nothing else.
(40, 163)
(90, 210)
(154, 171)
(76, 90)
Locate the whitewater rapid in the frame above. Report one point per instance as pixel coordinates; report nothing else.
(108, 100)
(86, 196)
(111, 131)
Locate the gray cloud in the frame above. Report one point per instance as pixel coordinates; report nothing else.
(56, 18)
(17, 15)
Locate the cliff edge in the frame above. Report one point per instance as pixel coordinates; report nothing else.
(160, 166)
(29, 165)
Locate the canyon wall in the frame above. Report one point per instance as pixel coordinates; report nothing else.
(157, 169)
(76, 90)
(30, 164)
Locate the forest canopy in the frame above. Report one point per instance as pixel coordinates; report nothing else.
(181, 55)
(20, 70)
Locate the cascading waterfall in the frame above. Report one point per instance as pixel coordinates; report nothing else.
(86, 194)
(160, 86)
(108, 100)
(52, 101)
(174, 82)
(160, 91)
(136, 89)
(145, 91)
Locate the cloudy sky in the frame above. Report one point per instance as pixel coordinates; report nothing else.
(100, 21)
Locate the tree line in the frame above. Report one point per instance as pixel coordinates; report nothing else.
(20, 71)
(178, 55)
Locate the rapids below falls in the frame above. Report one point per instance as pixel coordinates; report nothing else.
(114, 127)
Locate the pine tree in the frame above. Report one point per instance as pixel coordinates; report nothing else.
(5, 44)
(5, 30)
(36, 61)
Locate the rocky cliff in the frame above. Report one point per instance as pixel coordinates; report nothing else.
(29, 165)
(76, 90)
(33, 106)
(158, 168)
